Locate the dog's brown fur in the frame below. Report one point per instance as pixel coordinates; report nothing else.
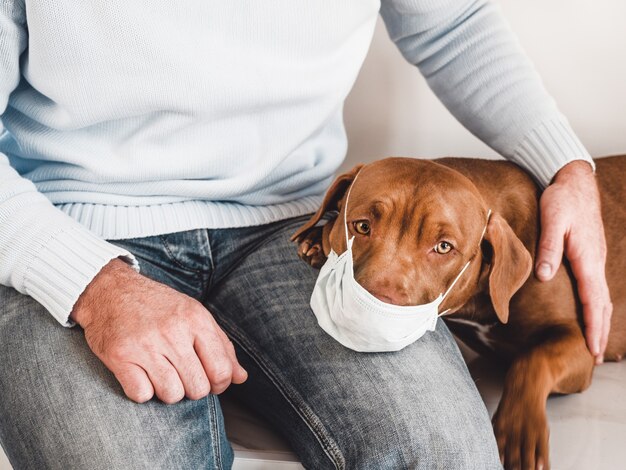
(498, 307)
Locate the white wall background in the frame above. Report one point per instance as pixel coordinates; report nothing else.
(578, 46)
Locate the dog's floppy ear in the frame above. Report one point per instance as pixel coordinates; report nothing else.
(511, 264)
(331, 201)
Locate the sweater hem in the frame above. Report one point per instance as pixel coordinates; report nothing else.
(122, 222)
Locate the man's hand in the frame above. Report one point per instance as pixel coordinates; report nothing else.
(153, 338)
(570, 216)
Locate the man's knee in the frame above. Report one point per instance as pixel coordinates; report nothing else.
(421, 410)
(61, 408)
(110, 432)
(400, 443)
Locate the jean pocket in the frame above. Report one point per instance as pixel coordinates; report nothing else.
(189, 250)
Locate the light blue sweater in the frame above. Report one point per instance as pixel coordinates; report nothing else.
(131, 118)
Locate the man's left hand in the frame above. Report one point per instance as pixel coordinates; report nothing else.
(571, 218)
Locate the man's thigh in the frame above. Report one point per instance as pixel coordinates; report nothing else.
(61, 408)
(416, 408)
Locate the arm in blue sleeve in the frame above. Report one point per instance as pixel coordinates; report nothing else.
(43, 252)
(473, 62)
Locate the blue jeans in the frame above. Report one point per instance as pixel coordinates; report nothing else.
(61, 408)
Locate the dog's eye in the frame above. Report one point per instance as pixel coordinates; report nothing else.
(443, 247)
(362, 227)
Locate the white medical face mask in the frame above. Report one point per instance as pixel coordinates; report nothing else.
(360, 321)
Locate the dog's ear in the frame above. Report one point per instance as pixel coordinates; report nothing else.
(511, 264)
(331, 201)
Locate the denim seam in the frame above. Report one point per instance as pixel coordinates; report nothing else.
(215, 433)
(329, 446)
(209, 251)
(208, 282)
(175, 261)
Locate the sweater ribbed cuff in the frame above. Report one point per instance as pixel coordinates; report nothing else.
(548, 148)
(63, 267)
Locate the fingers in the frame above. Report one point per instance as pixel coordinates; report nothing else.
(550, 247)
(209, 365)
(218, 358)
(240, 375)
(191, 374)
(588, 269)
(606, 328)
(594, 297)
(571, 221)
(178, 375)
(170, 346)
(597, 317)
(134, 382)
(167, 384)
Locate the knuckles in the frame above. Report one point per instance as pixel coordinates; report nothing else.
(140, 396)
(121, 352)
(172, 395)
(222, 376)
(199, 391)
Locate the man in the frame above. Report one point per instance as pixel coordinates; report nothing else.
(187, 140)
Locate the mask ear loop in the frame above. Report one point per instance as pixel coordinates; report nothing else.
(464, 267)
(345, 210)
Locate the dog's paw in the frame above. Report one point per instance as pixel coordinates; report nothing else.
(310, 248)
(521, 430)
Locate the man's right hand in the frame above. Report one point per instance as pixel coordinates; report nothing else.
(155, 339)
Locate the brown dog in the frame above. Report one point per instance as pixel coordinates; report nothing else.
(417, 222)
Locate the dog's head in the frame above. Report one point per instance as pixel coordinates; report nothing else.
(416, 223)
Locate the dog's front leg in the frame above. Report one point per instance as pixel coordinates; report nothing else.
(313, 246)
(559, 362)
